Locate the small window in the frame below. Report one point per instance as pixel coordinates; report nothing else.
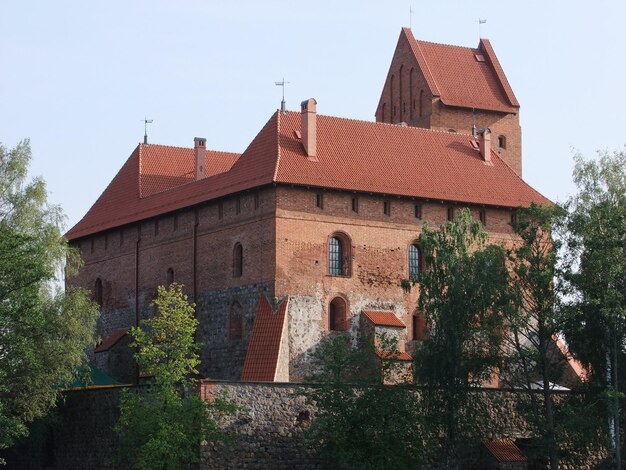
(450, 213)
(319, 200)
(121, 237)
(156, 227)
(418, 210)
(339, 255)
(483, 216)
(169, 278)
(502, 142)
(257, 201)
(175, 222)
(220, 210)
(513, 217)
(337, 315)
(106, 241)
(415, 261)
(420, 327)
(237, 260)
(238, 205)
(355, 204)
(387, 208)
(97, 292)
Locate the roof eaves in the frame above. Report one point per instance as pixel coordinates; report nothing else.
(485, 45)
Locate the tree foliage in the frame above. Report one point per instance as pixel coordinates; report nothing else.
(595, 325)
(43, 331)
(464, 295)
(362, 421)
(164, 427)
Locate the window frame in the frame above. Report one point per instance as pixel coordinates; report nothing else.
(341, 266)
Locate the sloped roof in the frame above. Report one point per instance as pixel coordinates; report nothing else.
(505, 451)
(111, 340)
(262, 356)
(382, 318)
(351, 155)
(454, 74)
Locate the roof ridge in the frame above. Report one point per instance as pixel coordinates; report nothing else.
(446, 44)
(187, 148)
(275, 176)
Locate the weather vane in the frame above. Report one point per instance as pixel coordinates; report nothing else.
(410, 17)
(282, 84)
(480, 21)
(146, 121)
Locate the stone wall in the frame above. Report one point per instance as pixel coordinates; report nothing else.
(270, 429)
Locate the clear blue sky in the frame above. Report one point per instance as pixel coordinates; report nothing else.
(78, 77)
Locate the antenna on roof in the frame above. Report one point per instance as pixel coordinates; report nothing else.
(282, 84)
(145, 129)
(411, 17)
(480, 21)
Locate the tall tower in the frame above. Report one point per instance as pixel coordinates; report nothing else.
(452, 89)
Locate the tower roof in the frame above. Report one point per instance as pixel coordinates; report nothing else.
(464, 76)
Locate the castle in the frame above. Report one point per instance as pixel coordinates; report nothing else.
(312, 228)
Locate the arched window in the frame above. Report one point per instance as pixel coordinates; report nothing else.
(237, 260)
(170, 276)
(411, 100)
(235, 322)
(420, 103)
(415, 261)
(400, 92)
(420, 327)
(391, 102)
(339, 255)
(97, 292)
(338, 315)
(501, 141)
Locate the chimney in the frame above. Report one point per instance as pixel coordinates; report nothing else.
(308, 117)
(484, 144)
(199, 150)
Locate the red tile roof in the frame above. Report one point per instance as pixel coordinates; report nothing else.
(264, 347)
(454, 74)
(111, 340)
(353, 155)
(380, 318)
(505, 451)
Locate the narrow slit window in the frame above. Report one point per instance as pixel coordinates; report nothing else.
(238, 205)
(387, 208)
(450, 213)
(355, 204)
(483, 216)
(257, 201)
(319, 200)
(418, 210)
(220, 210)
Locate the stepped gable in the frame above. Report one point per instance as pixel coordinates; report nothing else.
(457, 76)
(262, 356)
(351, 155)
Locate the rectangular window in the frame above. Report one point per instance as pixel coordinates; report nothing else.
(450, 213)
(156, 227)
(220, 210)
(106, 241)
(319, 200)
(355, 204)
(257, 202)
(121, 237)
(387, 208)
(418, 210)
(237, 205)
(483, 216)
(513, 217)
(175, 222)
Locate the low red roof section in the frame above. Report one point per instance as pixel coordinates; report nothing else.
(455, 75)
(111, 340)
(505, 451)
(264, 347)
(383, 318)
(398, 356)
(351, 155)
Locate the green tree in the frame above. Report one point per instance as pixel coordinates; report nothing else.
(533, 326)
(596, 313)
(163, 428)
(464, 295)
(44, 331)
(362, 421)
